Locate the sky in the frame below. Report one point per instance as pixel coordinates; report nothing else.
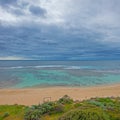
(59, 29)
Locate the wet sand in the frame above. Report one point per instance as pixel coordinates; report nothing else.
(30, 96)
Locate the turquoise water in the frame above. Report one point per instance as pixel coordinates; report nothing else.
(20, 74)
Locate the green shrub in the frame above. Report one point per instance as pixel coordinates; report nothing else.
(36, 111)
(48, 107)
(5, 115)
(76, 105)
(96, 103)
(58, 108)
(105, 100)
(32, 114)
(85, 114)
(65, 100)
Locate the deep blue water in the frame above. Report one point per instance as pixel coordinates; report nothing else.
(20, 74)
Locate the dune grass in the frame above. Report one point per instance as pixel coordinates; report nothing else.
(63, 108)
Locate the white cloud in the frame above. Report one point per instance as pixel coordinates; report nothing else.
(12, 58)
(77, 13)
(100, 16)
(6, 17)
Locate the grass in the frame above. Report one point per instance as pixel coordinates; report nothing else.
(110, 106)
(12, 112)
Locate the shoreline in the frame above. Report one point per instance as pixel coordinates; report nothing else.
(60, 86)
(30, 96)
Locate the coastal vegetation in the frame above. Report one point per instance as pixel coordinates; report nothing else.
(65, 109)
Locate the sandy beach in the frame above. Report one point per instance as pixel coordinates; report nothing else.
(32, 96)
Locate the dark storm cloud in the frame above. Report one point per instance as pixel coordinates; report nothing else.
(7, 2)
(66, 30)
(36, 10)
(35, 44)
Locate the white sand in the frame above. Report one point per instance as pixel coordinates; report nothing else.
(37, 95)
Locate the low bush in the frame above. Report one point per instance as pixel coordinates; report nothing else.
(58, 108)
(65, 100)
(5, 115)
(86, 114)
(96, 103)
(36, 111)
(32, 114)
(46, 107)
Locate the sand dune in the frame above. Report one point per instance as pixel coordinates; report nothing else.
(38, 95)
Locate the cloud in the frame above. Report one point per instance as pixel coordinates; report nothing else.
(36, 10)
(79, 13)
(11, 58)
(7, 2)
(34, 43)
(49, 29)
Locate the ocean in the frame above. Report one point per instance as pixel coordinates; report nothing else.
(31, 73)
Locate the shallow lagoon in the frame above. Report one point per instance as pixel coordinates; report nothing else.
(20, 74)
